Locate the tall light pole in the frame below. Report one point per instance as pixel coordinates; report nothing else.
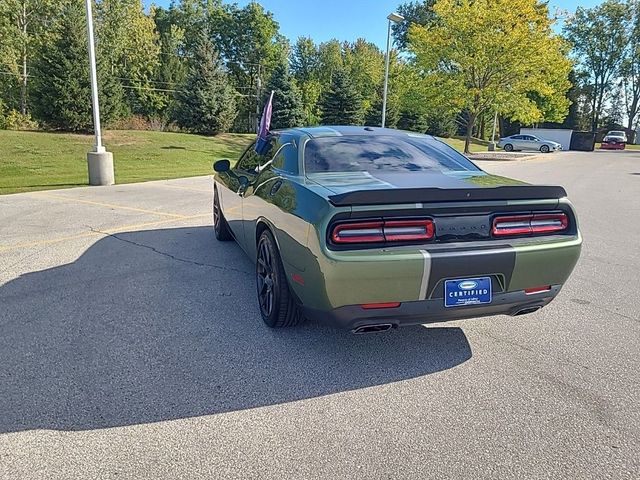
(100, 161)
(395, 18)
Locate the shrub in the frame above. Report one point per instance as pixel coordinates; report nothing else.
(2, 115)
(154, 123)
(16, 121)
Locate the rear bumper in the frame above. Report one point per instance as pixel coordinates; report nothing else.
(612, 146)
(428, 311)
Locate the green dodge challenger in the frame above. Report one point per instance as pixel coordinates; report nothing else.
(371, 228)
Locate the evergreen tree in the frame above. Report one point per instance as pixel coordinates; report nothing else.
(413, 121)
(373, 116)
(206, 103)
(341, 104)
(287, 109)
(63, 91)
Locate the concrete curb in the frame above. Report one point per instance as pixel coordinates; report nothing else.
(505, 157)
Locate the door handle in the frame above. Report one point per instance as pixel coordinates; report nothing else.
(276, 186)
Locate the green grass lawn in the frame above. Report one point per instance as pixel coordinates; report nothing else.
(459, 145)
(39, 160)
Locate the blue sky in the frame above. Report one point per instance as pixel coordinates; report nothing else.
(345, 19)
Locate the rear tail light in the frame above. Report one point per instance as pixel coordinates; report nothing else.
(358, 232)
(529, 224)
(399, 230)
(383, 231)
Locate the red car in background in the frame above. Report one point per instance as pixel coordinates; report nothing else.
(614, 140)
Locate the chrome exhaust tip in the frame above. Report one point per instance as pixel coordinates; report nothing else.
(526, 310)
(379, 327)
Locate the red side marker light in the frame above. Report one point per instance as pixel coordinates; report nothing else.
(533, 291)
(369, 306)
(299, 279)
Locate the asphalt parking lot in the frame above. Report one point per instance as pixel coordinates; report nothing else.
(131, 346)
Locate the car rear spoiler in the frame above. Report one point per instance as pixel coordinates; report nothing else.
(428, 195)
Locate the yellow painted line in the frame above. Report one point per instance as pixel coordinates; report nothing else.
(19, 246)
(110, 231)
(108, 205)
(192, 189)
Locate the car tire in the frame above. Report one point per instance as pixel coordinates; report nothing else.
(508, 147)
(278, 305)
(544, 148)
(220, 225)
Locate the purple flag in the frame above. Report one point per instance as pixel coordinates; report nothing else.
(265, 123)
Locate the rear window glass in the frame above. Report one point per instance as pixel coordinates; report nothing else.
(368, 153)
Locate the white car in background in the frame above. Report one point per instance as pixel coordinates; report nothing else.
(615, 136)
(523, 141)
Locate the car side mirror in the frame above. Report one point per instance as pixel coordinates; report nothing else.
(223, 165)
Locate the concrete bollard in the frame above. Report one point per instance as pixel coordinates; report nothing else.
(100, 168)
(492, 146)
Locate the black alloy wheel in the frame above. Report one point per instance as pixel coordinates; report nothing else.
(278, 306)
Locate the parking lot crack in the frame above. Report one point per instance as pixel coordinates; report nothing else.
(169, 255)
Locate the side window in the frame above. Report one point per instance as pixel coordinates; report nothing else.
(517, 137)
(278, 160)
(287, 158)
(251, 160)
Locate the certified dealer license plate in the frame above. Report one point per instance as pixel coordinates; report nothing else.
(467, 291)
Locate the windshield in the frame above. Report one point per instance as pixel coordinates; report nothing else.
(394, 153)
(616, 133)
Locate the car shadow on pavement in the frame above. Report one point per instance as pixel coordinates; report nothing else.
(163, 324)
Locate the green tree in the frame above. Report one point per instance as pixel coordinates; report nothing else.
(196, 18)
(287, 110)
(129, 45)
(173, 67)
(419, 108)
(305, 66)
(365, 64)
(252, 46)
(206, 103)
(341, 104)
(3, 112)
(373, 116)
(63, 91)
(305, 59)
(487, 55)
(615, 112)
(330, 60)
(413, 121)
(23, 32)
(414, 12)
(599, 36)
(630, 69)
